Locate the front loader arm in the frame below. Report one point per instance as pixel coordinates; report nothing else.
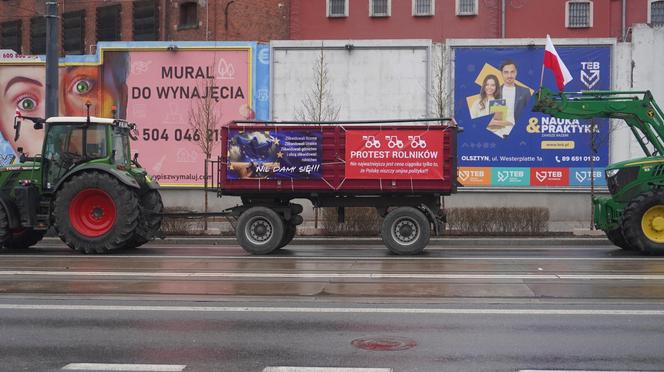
(638, 109)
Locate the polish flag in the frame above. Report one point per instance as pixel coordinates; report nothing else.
(553, 62)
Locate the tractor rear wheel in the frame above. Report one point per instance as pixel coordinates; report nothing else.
(95, 213)
(643, 222)
(405, 231)
(24, 238)
(149, 219)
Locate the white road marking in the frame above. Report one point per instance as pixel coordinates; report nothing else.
(338, 310)
(123, 367)
(324, 369)
(338, 258)
(573, 370)
(279, 275)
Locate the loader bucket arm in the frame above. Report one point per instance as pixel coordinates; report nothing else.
(638, 109)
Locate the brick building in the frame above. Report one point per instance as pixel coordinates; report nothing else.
(83, 22)
(445, 19)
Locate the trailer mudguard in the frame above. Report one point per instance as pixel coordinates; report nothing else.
(122, 176)
(11, 209)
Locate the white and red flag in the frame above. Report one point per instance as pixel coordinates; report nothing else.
(553, 62)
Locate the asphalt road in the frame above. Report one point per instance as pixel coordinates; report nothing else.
(213, 308)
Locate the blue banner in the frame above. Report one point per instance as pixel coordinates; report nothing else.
(273, 154)
(494, 92)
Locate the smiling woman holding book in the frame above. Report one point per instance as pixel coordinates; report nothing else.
(489, 92)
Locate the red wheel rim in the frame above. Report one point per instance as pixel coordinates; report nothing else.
(92, 212)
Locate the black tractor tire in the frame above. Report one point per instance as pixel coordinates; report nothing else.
(5, 234)
(289, 234)
(259, 230)
(148, 224)
(405, 231)
(643, 222)
(24, 238)
(95, 214)
(616, 237)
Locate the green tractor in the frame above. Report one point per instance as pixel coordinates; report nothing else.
(633, 216)
(84, 183)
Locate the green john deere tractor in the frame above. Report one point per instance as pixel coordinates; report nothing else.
(633, 216)
(84, 184)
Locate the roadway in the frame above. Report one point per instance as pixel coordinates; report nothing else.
(199, 307)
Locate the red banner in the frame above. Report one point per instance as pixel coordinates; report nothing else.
(394, 154)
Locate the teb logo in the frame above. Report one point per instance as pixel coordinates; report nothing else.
(590, 74)
(548, 175)
(465, 175)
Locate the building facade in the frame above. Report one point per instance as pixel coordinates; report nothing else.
(83, 23)
(440, 20)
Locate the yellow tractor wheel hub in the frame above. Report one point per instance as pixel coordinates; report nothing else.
(652, 223)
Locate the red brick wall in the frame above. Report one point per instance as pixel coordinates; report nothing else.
(524, 19)
(250, 20)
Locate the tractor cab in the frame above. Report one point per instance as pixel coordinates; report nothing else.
(79, 140)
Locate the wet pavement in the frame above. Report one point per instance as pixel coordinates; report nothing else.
(216, 308)
(598, 272)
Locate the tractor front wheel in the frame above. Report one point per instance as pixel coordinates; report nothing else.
(95, 213)
(24, 238)
(643, 222)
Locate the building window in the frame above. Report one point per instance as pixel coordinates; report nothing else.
(146, 27)
(188, 15)
(466, 7)
(37, 35)
(11, 36)
(337, 8)
(423, 7)
(73, 32)
(579, 14)
(108, 23)
(656, 13)
(379, 8)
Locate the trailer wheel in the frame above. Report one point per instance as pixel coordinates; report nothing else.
(289, 233)
(95, 213)
(4, 226)
(148, 224)
(643, 222)
(24, 238)
(260, 230)
(405, 231)
(616, 237)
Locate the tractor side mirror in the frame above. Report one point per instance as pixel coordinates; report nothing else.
(17, 128)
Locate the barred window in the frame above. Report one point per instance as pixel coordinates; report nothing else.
(73, 32)
(466, 7)
(188, 15)
(146, 23)
(11, 36)
(579, 14)
(657, 13)
(423, 7)
(108, 23)
(337, 8)
(37, 35)
(379, 8)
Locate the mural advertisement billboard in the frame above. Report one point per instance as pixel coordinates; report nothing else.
(504, 143)
(157, 85)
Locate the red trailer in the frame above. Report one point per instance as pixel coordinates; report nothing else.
(400, 167)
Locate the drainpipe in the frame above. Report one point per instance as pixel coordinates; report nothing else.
(162, 20)
(624, 20)
(502, 19)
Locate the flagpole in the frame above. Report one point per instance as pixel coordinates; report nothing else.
(539, 94)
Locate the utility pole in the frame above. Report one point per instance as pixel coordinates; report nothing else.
(52, 57)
